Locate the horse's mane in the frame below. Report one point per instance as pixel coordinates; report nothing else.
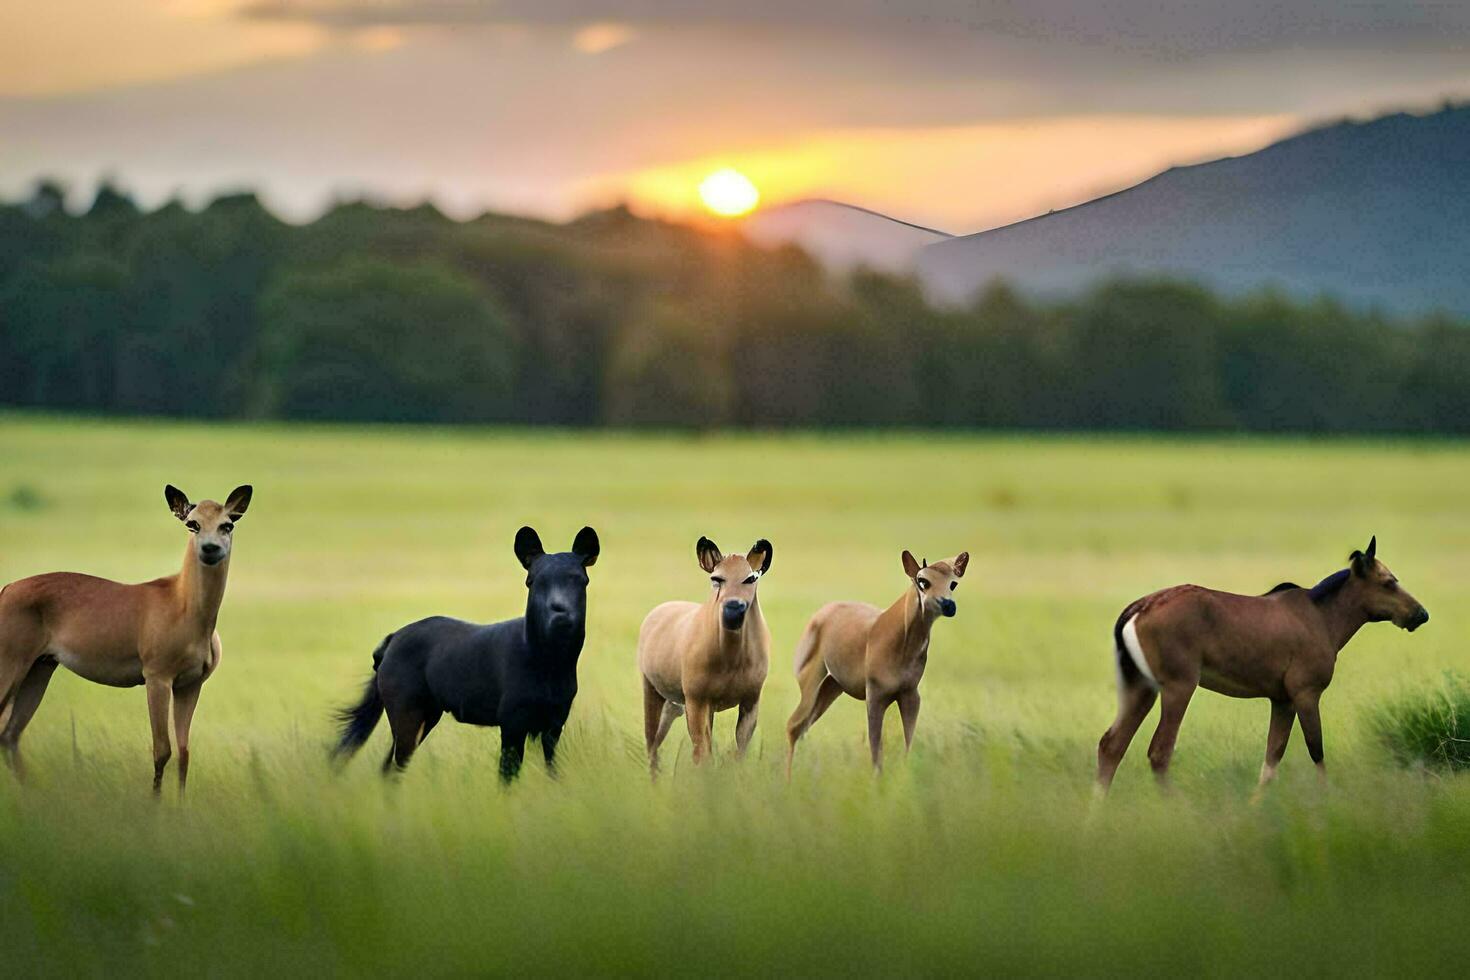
(1329, 586)
(1283, 587)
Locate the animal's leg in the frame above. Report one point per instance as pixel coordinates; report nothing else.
(1282, 715)
(1134, 703)
(653, 709)
(22, 707)
(827, 692)
(877, 705)
(13, 671)
(409, 725)
(1306, 704)
(512, 751)
(1174, 700)
(908, 710)
(669, 714)
(548, 749)
(699, 718)
(185, 700)
(745, 725)
(160, 691)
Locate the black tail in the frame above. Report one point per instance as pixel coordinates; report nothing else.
(1126, 666)
(359, 720)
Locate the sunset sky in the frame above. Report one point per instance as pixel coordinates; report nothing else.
(960, 114)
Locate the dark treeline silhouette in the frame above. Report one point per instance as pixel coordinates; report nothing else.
(404, 315)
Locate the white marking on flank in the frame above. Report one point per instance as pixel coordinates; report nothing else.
(1130, 643)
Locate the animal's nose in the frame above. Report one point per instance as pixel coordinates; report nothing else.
(210, 548)
(734, 612)
(947, 607)
(1421, 618)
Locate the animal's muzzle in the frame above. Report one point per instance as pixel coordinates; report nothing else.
(946, 607)
(211, 554)
(1420, 618)
(733, 613)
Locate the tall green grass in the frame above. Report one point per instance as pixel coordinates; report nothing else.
(983, 851)
(1428, 728)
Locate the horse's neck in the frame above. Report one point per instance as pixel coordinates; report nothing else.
(912, 623)
(1342, 617)
(200, 589)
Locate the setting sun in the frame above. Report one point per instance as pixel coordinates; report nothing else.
(728, 193)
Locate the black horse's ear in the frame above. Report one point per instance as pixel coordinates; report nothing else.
(760, 556)
(709, 555)
(586, 547)
(1372, 551)
(178, 502)
(238, 502)
(528, 547)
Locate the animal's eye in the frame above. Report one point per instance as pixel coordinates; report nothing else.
(192, 525)
(923, 583)
(953, 586)
(226, 527)
(1392, 583)
(749, 581)
(716, 581)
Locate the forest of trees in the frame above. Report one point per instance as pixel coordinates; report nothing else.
(404, 315)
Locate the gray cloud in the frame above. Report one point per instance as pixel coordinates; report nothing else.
(1150, 28)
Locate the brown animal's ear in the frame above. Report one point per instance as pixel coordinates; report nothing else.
(760, 556)
(910, 566)
(586, 547)
(178, 502)
(961, 560)
(528, 547)
(238, 502)
(709, 555)
(1363, 561)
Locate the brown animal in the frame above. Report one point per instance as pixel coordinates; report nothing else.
(875, 656)
(700, 658)
(1282, 646)
(159, 634)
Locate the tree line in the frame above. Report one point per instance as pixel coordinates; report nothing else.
(383, 314)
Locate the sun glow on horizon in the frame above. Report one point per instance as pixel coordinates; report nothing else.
(729, 193)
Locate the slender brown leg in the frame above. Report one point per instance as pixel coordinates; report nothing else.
(1307, 713)
(745, 725)
(1175, 699)
(700, 719)
(22, 707)
(667, 717)
(877, 706)
(1134, 703)
(828, 692)
(1282, 715)
(160, 691)
(185, 701)
(653, 710)
(908, 710)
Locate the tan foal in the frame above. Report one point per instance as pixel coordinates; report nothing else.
(874, 655)
(159, 634)
(701, 658)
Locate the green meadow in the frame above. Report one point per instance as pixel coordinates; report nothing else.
(981, 852)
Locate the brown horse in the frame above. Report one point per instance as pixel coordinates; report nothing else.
(160, 634)
(1282, 646)
(874, 655)
(706, 657)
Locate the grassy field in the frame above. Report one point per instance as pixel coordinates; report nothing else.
(979, 853)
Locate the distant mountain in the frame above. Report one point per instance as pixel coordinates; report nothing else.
(842, 236)
(1375, 214)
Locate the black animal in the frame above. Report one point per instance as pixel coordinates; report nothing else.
(520, 674)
